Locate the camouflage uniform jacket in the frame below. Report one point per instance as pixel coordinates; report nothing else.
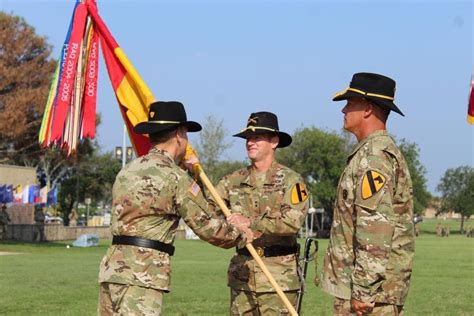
(371, 249)
(150, 196)
(275, 213)
(4, 218)
(39, 217)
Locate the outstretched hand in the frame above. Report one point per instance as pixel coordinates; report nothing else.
(248, 233)
(361, 307)
(238, 220)
(190, 160)
(243, 224)
(189, 163)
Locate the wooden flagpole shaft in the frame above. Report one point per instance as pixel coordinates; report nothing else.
(79, 83)
(205, 180)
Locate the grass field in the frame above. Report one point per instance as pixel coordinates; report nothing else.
(49, 279)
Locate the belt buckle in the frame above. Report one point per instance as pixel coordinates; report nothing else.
(260, 251)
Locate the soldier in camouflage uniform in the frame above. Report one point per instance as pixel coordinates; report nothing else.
(272, 200)
(368, 263)
(38, 234)
(439, 230)
(150, 196)
(4, 220)
(447, 230)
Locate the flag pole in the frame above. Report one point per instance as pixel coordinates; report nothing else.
(79, 85)
(77, 96)
(124, 145)
(147, 97)
(197, 170)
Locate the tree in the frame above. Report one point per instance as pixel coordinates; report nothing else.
(421, 195)
(25, 76)
(226, 167)
(211, 146)
(457, 189)
(54, 165)
(26, 70)
(320, 157)
(93, 177)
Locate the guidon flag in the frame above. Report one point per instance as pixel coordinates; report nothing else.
(70, 112)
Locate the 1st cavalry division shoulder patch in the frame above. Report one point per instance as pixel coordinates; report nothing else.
(298, 193)
(372, 183)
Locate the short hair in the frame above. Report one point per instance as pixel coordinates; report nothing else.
(163, 136)
(382, 113)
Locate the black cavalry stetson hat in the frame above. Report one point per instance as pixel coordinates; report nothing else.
(373, 87)
(264, 122)
(166, 115)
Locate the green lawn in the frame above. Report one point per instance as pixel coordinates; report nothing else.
(50, 279)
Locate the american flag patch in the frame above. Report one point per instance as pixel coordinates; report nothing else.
(195, 188)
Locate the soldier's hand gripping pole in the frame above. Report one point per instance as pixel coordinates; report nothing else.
(306, 260)
(197, 170)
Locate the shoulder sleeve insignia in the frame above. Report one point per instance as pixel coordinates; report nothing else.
(298, 193)
(372, 182)
(195, 188)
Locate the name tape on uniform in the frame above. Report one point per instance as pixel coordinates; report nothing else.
(298, 193)
(372, 183)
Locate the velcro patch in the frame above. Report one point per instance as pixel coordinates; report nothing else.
(298, 193)
(371, 183)
(195, 188)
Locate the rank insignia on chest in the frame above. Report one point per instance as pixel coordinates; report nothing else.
(194, 189)
(371, 183)
(298, 193)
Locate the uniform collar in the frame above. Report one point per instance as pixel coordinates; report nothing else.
(379, 133)
(161, 152)
(249, 178)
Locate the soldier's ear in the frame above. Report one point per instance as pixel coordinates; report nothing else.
(274, 140)
(177, 136)
(369, 109)
(181, 132)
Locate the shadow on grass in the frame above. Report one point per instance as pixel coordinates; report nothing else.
(452, 232)
(105, 243)
(46, 244)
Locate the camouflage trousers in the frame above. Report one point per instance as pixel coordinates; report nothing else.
(123, 299)
(3, 231)
(255, 304)
(38, 232)
(342, 307)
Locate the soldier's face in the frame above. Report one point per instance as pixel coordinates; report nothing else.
(354, 113)
(260, 146)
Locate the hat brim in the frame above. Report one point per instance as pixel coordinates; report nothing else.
(153, 128)
(379, 101)
(284, 138)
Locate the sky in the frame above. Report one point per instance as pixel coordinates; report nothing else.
(230, 58)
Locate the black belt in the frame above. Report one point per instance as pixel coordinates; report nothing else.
(270, 251)
(142, 242)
